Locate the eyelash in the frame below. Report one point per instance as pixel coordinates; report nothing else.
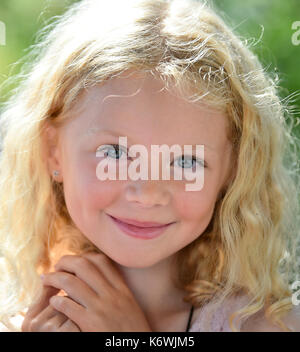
(202, 163)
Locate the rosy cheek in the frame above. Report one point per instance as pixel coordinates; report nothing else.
(194, 205)
(100, 194)
(85, 189)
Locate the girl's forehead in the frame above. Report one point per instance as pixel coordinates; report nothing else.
(139, 105)
(145, 99)
(130, 87)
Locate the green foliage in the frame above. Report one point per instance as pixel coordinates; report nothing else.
(23, 19)
(268, 27)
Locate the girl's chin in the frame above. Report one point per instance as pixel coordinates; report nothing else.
(133, 262)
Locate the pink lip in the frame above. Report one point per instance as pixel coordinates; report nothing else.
(139, 223)
(145, 232)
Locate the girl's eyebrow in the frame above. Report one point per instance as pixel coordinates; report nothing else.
(96, 131)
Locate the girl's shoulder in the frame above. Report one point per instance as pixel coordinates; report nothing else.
(258, 323)
(208, 319)
(215, 319)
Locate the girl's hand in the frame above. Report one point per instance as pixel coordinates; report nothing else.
(98, 297)
(41, 317)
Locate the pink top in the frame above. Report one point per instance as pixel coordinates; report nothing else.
(220, 317)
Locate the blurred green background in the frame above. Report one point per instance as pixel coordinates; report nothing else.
(267, 24)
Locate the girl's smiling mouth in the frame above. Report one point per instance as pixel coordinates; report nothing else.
(145, 230)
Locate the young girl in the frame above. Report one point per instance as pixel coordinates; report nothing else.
(145, 254)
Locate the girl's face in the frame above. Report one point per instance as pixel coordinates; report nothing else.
(138, 108)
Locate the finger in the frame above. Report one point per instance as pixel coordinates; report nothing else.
(69, 326)
(54, 324)
(75, 288)
(69, 308)
(48, 320)
(106, 266)
(51, 325)
(85, 270)
(38, 306)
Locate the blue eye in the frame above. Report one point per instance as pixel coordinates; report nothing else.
(113, 152)
(190, 163)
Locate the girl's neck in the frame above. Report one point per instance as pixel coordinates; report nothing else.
(155, 291)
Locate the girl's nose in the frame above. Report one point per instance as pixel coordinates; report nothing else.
(147, 193)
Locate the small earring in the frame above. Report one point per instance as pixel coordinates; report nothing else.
(55, 173)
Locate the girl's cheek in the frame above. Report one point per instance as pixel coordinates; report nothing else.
(106, 193)
(192, 205)
(101, 194)
(84, 187)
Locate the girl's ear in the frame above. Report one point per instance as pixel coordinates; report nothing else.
(52, 151)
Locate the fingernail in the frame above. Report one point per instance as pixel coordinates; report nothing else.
(42, 276)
